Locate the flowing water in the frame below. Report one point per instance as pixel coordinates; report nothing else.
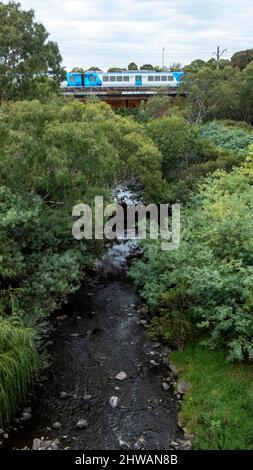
(99, 337)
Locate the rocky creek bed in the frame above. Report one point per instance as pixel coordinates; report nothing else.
(80, 403)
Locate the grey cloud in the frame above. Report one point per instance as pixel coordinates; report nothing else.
(107, 33)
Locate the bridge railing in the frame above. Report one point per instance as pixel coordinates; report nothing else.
(118, 91)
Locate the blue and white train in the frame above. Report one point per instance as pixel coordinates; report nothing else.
(124, 79)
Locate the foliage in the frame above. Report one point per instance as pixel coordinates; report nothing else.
(69, 149)
(177, 141)
(93, 68)
(147, 67)
(132, 66)
(116, 69)
(18, 364)
(226, 93)
(77, 70)
(212, 270)
(242, 58)
(156, 107)
(234, 139)
(212, 93)
(218, 409)
(28, 61)
(176, 67)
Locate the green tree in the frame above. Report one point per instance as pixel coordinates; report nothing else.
(26, 55)
(94, 69)
(246, 93)
(175, 67)
(132, 66)
(147, 67)
(77, 70)
(213, 93)
(116, 69)
(194, 66)
(178, 142)
(156, 107)
(242, 58)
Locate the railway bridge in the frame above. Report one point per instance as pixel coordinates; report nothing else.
(128, 97)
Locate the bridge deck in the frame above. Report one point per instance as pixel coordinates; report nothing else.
(122, 97)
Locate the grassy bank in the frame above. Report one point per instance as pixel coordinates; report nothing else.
(218, 409)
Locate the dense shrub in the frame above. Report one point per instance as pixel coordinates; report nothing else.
(208, 281)
(178, 142)
(18, 364)
(235, 139)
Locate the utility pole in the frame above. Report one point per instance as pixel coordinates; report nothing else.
(163, 58)
(218, 54)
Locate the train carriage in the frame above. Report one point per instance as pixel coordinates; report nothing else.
(124, 79)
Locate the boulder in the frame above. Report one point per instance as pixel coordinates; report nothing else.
(114, 401)
(182, 387)
(82, 423)
(57, 425)
(121, 376)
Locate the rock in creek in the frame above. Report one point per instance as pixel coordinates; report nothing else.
(114, 401)
(82, 423)
(166, 386)
(61, 317)
(57, 425)
(87, 397)
(121, 376)
(182, 387)
(40, 444)
(173, 369)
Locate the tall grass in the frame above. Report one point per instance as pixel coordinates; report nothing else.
(18, 365)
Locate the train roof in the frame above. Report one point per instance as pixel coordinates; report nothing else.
(129, 72)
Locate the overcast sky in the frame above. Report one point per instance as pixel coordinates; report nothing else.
(109, 33)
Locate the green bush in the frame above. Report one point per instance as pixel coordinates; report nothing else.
(234, 139)
(18, 366)
(209, 279)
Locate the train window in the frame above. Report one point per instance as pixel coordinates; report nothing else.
(164, 78)
(119, 78)
(112, 78)
(157, 78)
(126, 78)
(170, 78)
(92, 79)
(105, 78)
(150, 78)
(72, 78)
